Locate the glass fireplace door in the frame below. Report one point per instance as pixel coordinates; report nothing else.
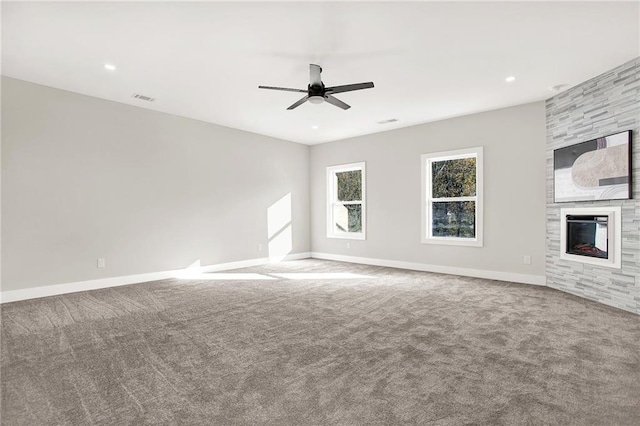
(588, 236)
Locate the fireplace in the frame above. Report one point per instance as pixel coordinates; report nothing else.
(591, 235)
(587, 235)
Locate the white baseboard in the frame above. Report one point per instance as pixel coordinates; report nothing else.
(451, 270)
(56, 289)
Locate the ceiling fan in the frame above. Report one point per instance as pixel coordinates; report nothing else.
(317, 93)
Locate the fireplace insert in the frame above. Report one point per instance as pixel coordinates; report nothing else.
(588, 236)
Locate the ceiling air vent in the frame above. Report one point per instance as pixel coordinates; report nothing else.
(143, 97)
(391, 120)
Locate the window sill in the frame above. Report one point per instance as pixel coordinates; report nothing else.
(348, 236)
(453, 242)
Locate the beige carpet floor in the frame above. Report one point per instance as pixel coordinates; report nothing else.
(315, 342)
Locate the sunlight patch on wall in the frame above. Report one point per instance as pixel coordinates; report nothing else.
(281, 245)
(195, 264)
(278, 215)
(279, 231)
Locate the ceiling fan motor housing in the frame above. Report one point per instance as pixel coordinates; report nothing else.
(316, 90)
(317, 93)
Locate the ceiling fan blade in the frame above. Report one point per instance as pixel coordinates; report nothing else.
(314, 75)
(285, 89)
(300, 102)
(337, 102)
(349, 87)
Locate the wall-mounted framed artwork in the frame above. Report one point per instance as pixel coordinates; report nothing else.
(598, 169)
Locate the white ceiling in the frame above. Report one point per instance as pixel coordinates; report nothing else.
(429, 61)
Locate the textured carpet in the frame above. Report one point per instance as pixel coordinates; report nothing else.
(322, 343)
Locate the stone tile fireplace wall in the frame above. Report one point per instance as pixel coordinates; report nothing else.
(606, 104)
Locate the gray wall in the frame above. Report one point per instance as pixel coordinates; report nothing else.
(601, 106)
(84, 178)
(514, 182)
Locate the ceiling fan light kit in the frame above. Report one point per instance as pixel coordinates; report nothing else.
(317, 93)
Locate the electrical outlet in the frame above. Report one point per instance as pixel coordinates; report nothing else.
(348, 245)
(527, 260)
(102, 263)
(259, 247)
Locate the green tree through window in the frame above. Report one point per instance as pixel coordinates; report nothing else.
(453, 179)
(452, 207)
(345, 184)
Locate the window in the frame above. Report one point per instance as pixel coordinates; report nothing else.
(452, 197)
(346, 201)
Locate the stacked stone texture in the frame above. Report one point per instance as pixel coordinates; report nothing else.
(604, 105)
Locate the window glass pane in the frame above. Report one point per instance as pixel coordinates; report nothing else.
(347, 218)
(454, 219)
(349, 185)
(454, 178)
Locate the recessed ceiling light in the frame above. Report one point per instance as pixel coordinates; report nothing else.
(510, 79)
(109, 67)
(390, 120)
(314, 127)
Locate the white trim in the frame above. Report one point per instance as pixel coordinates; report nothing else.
(56, 289)
(451, 270)
(614, 231)
(478, 153)
(331, 190)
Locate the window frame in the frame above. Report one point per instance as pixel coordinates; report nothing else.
(332, 191)
(426, 161)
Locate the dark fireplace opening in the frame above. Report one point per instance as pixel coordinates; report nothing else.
(588, 236)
